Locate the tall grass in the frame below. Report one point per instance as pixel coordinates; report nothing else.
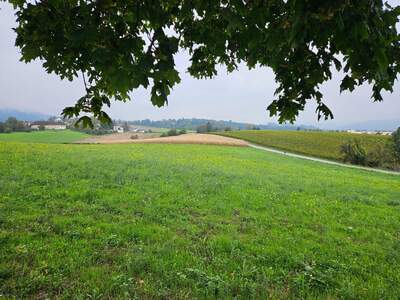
(313, 143)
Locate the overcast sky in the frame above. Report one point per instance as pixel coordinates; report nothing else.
(240, 96)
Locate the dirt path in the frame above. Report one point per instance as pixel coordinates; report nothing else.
(189, 138)
(325, 161)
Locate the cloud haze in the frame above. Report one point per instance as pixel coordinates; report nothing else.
(240, 96)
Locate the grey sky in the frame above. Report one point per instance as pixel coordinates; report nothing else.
(240, 96)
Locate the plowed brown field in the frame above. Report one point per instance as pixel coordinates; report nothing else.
(190, 138)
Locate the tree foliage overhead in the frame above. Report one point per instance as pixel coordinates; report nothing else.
(119, 46)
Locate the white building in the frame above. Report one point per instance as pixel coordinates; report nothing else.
(138, 130)
(118, 129)
(50, 127)
(370, 132)
(385, 132)
(55, 127)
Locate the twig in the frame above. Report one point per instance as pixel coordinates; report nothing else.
(84, 81)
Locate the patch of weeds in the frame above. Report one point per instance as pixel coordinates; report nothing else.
(73, 234)
(316, 276)
(21, 250)
(393, 203)
(123, 283)
(95, 294)
(5, 272)
(212, 283)
(113, 241)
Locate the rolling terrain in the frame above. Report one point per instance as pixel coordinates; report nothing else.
(192, 221)
(313, 143)
(189, 138)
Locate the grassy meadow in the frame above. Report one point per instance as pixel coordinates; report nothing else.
(192, 221)
(321, 144)
(47, 136)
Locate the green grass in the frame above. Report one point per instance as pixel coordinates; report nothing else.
(312, 143)
(192, 221)
(48, 136)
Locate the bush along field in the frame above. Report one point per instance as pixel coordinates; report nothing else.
(48, 136)
(363, 149)
(192, 221)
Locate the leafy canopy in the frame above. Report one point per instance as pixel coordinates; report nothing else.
(119, 46)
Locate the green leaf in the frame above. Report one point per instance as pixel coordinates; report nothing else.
(382, 59)
(348, 83)
(85, 121)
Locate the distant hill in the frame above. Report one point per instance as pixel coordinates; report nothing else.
(21, 115)
(384, 125)
(193, 123)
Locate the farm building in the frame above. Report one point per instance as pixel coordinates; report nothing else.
(55, 127)
(49, 126)
(138, 130)
(118, 129)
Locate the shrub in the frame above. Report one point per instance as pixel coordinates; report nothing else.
(205, 128)
(381, 156)
(172, 132)
(353, 152)
(396, 141)
(201, 129)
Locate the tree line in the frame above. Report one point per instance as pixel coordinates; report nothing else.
(14, 125)
(195, 123)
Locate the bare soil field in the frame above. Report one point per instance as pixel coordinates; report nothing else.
(189, 138)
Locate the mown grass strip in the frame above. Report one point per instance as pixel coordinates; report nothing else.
(48, 136)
